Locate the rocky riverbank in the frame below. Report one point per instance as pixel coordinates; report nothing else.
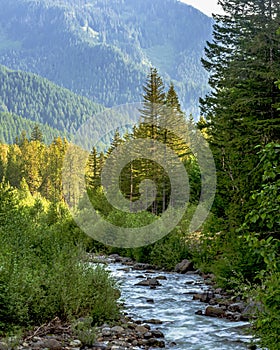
(56, 335)
(130, 333)
(219, 303)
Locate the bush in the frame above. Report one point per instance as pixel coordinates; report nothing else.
(42, 273)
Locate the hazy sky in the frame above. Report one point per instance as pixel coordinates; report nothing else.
(206, 6)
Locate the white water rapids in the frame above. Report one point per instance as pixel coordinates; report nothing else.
(173, 304)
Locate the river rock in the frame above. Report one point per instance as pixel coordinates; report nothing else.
(106, 331)
(3, 346)
(141, 329)
(148, 335)
(76, 343)
(149, 282)
(142, 266)
(156, 343)
(117, 329)
(184, 266)
(233, 316)
(161, 278)
(51, 344)
(157, 333)
(214, 311)
(153, 321)
(204, 297)
(237, 307)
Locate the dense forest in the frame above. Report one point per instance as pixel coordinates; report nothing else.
(238, 242)
(11, 126)
(32, 97)
(102, 50)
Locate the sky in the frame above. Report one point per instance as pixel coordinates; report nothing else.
(206, 6)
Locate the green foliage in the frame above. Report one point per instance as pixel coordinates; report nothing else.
(261, 231)
(267, 324)
(241, 110)
(84, 331)
(36, 259)
(264, 216)
(169, 251)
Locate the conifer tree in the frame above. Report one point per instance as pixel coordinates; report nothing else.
(36, 134)
(151, 115)
(244, 62)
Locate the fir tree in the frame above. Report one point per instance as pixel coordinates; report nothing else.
(36, 134)
(244, 62)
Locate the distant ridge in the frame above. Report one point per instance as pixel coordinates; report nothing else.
(103, 49)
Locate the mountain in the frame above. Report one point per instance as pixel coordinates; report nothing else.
(40, 100)
(102, 49)
(11, 127)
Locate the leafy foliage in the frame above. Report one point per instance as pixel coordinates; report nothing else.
(242, 124)
(36, 257)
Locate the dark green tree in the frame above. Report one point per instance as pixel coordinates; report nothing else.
(36, 134)
(244, 62)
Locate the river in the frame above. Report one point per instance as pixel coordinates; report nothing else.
(173, 303)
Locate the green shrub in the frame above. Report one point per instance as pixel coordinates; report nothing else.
(42, 273)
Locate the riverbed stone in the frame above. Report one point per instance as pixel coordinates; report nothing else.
(161, 277)
(141, 329)
(117, 329)
(233, 316)
(143, 266)
(157, 333)
(214, 311)
(106, 331)
(76, 343)
(149, 282)
(148, 335)
(156, 342)
(153, 321)
(51, 344)
(237, 307)
(184, 266)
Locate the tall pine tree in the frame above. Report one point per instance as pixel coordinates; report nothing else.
(244, 62)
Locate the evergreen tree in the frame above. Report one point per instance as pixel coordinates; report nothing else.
(151, 115)
(94, 168)
(244, 62)
(14, 166)
(36, 134)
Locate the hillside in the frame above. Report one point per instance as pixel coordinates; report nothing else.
(11, 127)
(102, 49)
(39, 100)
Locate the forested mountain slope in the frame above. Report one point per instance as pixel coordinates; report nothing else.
(12, 126)
(37, 99)
(102, 49)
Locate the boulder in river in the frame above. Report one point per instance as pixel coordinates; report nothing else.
(184, 266)
(143, 266)
(214, 311)
(153, 321)
(149, 282)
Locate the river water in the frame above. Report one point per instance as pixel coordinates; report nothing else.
(172, 303)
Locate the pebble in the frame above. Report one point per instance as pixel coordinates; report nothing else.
(75, 343)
